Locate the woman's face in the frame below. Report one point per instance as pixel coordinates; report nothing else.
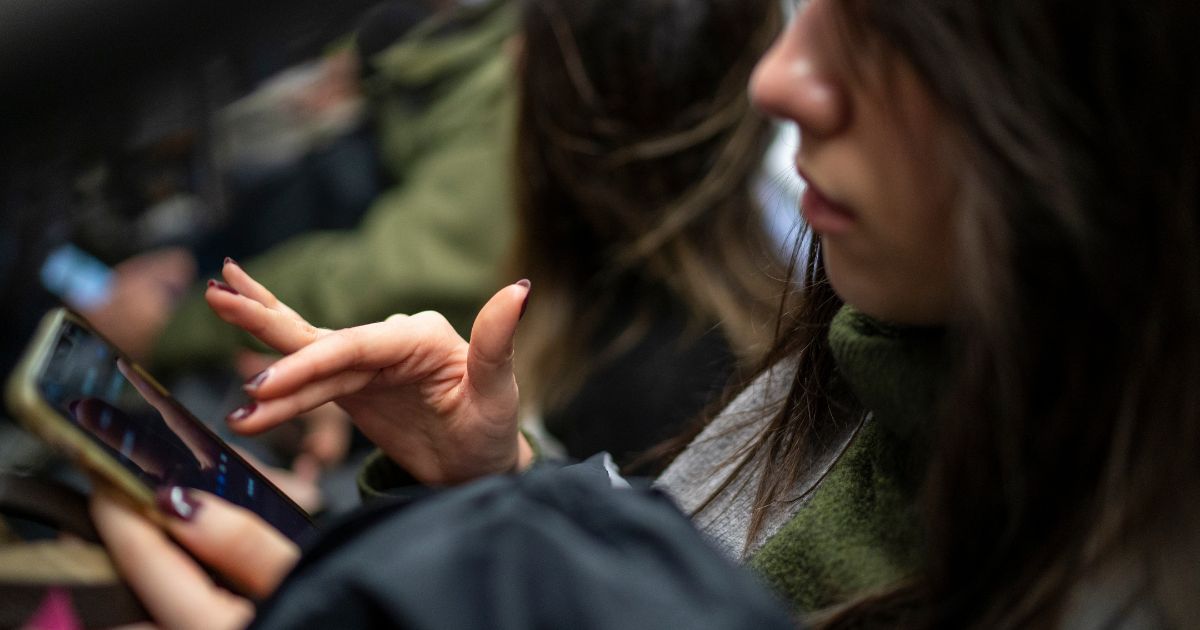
(871, 150)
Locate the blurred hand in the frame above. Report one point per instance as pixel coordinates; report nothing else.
(144, 293)
(299, 483)
(337, 84)
(247, 363)
(177, 593)
(193, 436)
(327, 435)
(443, 409)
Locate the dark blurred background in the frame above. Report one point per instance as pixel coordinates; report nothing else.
(60, 56)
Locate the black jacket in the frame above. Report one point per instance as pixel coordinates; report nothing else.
(553, 548)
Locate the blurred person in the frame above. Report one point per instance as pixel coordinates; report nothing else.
(444, 107)
(297, 156)
(637, 219)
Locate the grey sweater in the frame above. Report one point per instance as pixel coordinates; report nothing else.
(712, 457)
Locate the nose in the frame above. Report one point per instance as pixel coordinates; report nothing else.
(790, 83)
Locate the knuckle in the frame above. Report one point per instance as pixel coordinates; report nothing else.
(429, 319)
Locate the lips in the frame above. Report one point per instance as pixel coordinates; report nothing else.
(824, 215)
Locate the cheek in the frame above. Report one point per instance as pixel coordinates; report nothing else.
(919, 278)
(900, 267)
(922, 232)
(921, 225)
(915, 189)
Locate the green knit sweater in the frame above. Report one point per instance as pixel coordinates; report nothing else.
(859, 530)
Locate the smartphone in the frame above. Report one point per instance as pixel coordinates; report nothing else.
(76, 391)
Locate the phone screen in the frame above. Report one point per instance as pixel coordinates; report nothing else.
(149, 432)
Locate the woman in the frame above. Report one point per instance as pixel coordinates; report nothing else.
(636, 215)
(979, 174)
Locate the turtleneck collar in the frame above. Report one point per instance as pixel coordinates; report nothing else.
(897, 372)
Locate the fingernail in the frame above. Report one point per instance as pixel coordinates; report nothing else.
(176, 501)
(257, 381)
(217, 284)
(230, 261)
(523, 282)
(241, 413)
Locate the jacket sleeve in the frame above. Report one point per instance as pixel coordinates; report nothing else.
(381, 478)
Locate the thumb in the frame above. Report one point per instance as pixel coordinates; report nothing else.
(489, 357)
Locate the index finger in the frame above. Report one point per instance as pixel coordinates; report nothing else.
(244, 283)
(280, 329)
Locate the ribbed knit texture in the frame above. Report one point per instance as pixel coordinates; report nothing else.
(859, 529)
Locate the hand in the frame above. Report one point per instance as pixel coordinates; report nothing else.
(144, 293)
(443, 409)
(174, 589)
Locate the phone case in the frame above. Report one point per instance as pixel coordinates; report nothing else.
(26, 404)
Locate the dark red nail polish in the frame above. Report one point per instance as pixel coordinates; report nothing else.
(176, 501)
(524, 282)
(230, 261)
(258, 380)
(217, 284)
(241, 413)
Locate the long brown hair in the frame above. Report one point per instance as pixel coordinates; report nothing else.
(1067, 449)
(1066, 446)
(637, 155)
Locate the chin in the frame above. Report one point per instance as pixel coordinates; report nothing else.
(882, 298)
